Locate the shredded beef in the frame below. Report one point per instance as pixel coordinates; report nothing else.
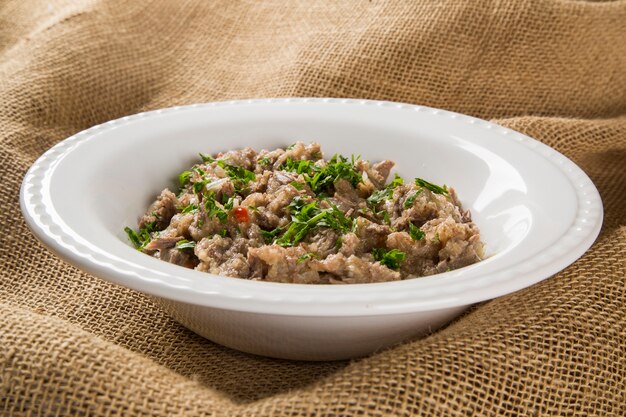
(291, 216)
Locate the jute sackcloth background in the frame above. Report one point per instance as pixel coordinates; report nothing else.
(71, 344)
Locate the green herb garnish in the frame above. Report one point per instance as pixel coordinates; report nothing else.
(200, 171)
(206, 158)
(340, 167)
(408, 203)
(386, 193)
(377, 196)
(190, 208)
(355, 224)
(309, 255)
(432, 187)
(185, 244)
(391, 259)
(299, 166)
(213, 209)
(270, 236)
(142, 237)
(321, 179)
(240, 176)
(297, 185)
(133, 237)
(415, 232)
(308, 216)
(396, 182)
(183, 178)
(264, 161)
(230, 202)
(199, 186)
(223, 232)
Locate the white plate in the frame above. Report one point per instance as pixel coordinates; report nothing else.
(537, 212)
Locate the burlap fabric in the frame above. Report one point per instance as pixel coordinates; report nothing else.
(72, 344)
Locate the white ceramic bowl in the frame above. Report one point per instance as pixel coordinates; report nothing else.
(537, 211)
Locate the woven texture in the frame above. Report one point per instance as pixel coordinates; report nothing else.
(71, 344)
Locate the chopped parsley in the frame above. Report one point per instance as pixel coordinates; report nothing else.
(321, 179)
(432, 187)
(270, 236)
(142, 237)
(214, 209)
(408, 203)
(396, 182)
(415, 232)
(190, 208)
(185, 244)
(264, 161)
(297, 185)
(206, 158)
(378, 196)
(240, 176)
(199, 186)
(309, 255)
(200, 171)
(386, 193)
(340, 167)
(230, 202)
(308, 216)
(391, 259)
(183, 178)
(299, 166)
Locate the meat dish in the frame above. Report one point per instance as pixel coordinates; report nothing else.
(290, 215)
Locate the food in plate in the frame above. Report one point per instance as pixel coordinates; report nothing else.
(289, 215)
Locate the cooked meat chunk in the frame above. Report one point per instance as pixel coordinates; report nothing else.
(384, 168)
(160, 243)
(421, 255)
(346, 196)
(459, 243)
(355, 270)
(179, 226)
(289, 215)
(177, 257)
(368, 235)
(322, 243)
(245, 158)
(298, 152)
(223, 256)
(279, 264)
(161, 211)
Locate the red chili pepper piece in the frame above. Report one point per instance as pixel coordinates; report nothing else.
(241, 214)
